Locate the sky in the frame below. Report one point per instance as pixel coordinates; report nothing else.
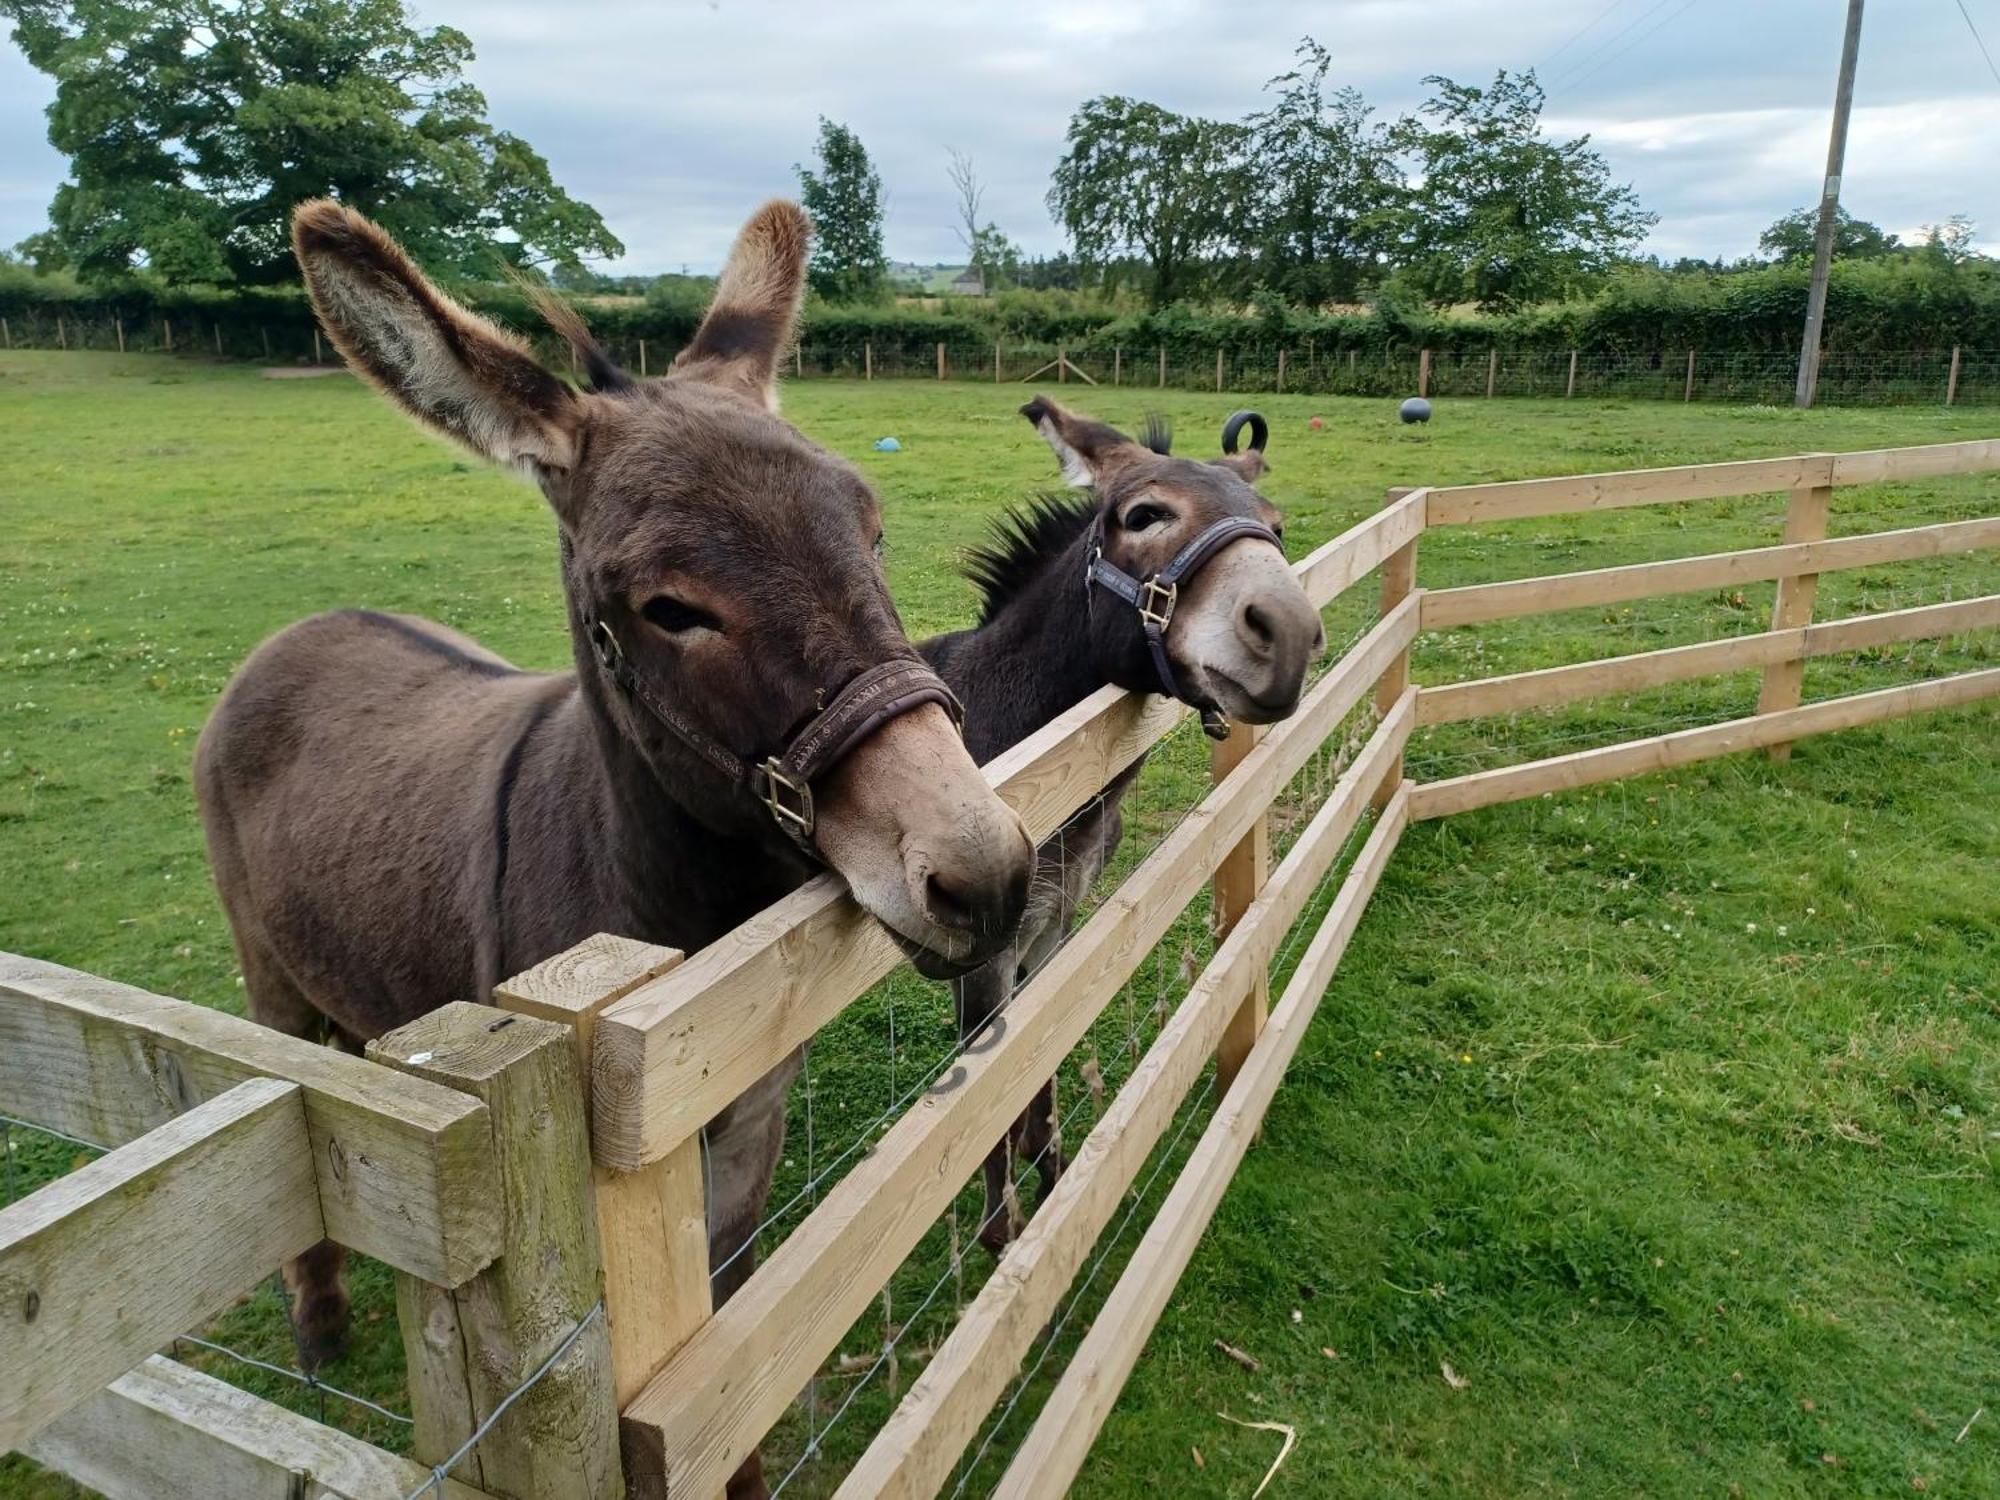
(675, 118)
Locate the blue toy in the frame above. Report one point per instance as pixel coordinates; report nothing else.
(888, 445)
(1416, 409)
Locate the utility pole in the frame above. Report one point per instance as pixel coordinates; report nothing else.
(1829, 211)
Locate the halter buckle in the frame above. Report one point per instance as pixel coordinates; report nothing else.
(794, 816)
(1156, 602)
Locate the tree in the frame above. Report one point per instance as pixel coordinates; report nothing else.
(1791, 238)
(1949, 243)
(1498, 214)
(845, 199)
(1326, 181)
(996, 258)
(193, 127)
(1172, 188)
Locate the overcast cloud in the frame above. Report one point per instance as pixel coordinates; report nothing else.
(675, 119)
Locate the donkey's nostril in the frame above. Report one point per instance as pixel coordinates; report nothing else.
(948, 902)
(1254, 625)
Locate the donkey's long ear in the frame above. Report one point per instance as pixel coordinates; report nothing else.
(1088, 451)
(756, 305)
(451, 370)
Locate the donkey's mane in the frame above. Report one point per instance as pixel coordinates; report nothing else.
(1024, 540)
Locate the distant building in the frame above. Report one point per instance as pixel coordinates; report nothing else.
(970, 282)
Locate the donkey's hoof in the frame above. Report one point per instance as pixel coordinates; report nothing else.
(997, 1234)
(323, 1331)
(747, 1483)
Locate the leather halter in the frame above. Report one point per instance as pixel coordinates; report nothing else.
(1156, 596)
(783, 782)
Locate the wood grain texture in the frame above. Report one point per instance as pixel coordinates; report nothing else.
(468, 1348)
(717, 1398)
(1792, 609)
(1238, 879)
(1052, 1454)
(1480, 602)
(102, 1266)
(1879, 465)
(401, 1163)
(652, 1224)
(164, 1431)
(1551, 686)
(1399, 581)
(1562, 773)
(915, 1452)
(1336, 566)
(1520, 499)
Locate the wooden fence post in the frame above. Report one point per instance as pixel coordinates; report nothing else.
(6, 334)
(1951, 382)
(1062, 365)
(868, 360)
(119, 325)
(1570, 389)
(798, 359)
(167, 335)
(1218, 369)
(996, 361)
(1399, 578)
(1163, 367)
(263, 332)
(470, 1347)
(1281, 372)
(1238, 879)
(1117, 365)
(652, 1223)
(316, 353)
(1492, 371)
(642, 358)
(1423, 372)
(1805, 521)
(940, 354)
(1687, 392)
(218, 340)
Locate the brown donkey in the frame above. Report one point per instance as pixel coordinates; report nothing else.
(1202, 551)
(398, 818)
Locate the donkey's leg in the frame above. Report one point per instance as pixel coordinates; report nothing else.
(320, 1307)
(743, 1145)
(978, 995)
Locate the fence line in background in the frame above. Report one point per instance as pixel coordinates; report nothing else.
(1950, 376)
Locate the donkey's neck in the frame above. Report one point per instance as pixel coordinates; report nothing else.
(1026, 664)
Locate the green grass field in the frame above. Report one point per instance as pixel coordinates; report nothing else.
(1663, 1114)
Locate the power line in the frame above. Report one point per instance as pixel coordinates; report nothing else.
(1978, 41)
(1577, 35)
(1589, 58)
(1576, 78)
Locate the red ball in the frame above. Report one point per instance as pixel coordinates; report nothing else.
(1317, 423)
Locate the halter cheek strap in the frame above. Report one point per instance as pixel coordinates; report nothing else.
(1156, 596)
(783, 782)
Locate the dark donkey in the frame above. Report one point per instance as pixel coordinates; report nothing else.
(1169, 578)
(398, 818)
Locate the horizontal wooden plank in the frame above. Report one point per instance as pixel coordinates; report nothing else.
(102, 1266)
(914, 1453)
(167, 1431)
(1476, 603)
(1930, 459)
(1337, 565)
(1563, 773)
(1048, 1460)
(401, 1163)
(721, 1393)
(1520, 499)
(1550, 686)
(673, 1054)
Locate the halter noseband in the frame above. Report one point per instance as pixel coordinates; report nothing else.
(783, 782)
(1156, 596)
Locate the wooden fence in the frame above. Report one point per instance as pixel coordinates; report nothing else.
(553, 1276)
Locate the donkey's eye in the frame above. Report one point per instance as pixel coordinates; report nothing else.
(1144, 517)
(665, 612)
